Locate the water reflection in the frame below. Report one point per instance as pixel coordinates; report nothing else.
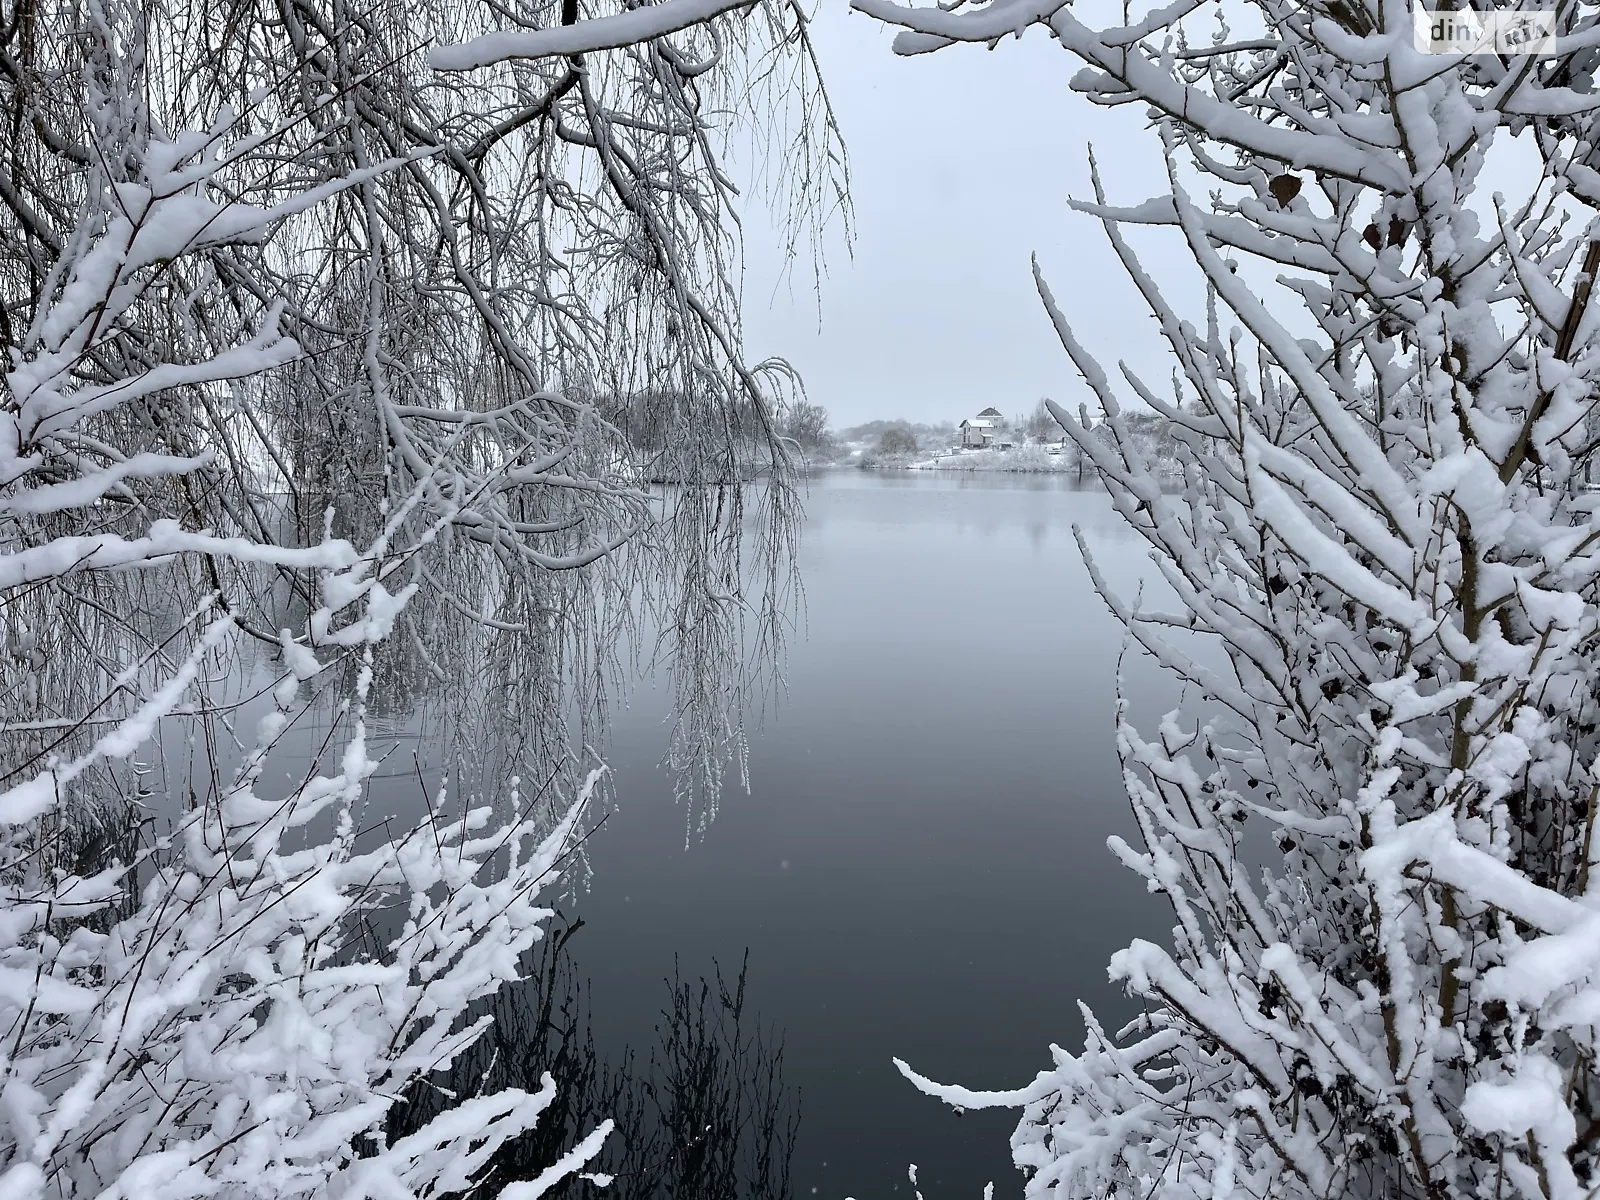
(707, 1115)
(921, 864)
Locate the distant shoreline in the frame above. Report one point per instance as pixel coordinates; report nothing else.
(1020, 460)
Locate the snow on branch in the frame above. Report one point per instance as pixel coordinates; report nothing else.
(1385, 533)
(203, 1018)
(635, 25)
(323, 364)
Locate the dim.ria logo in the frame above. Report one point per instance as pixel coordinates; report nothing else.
(1471, 32)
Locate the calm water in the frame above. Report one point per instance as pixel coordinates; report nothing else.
(920, 869)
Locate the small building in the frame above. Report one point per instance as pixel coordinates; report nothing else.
(991, 414)
(977, 432)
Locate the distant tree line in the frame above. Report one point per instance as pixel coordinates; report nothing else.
(648, 421)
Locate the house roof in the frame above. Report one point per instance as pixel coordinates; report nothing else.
(990, 412)
(977, 423)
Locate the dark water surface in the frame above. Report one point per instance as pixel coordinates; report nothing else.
(920, 868)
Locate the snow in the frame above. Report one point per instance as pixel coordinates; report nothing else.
(1375, 507)
(217, 985)
(583, 37)
(1384, 425)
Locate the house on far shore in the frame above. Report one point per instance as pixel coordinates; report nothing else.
(977, 432)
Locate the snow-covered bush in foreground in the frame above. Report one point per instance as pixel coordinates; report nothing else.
(224, 1040)
(206, 1022)
(1385, 525)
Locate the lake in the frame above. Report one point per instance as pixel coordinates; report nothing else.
(919, 869)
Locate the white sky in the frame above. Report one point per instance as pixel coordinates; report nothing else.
(961, 164)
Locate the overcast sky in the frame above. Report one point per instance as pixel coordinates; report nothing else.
(962, 162)
(961, 165)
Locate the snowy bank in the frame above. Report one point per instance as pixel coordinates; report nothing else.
(1033, 459)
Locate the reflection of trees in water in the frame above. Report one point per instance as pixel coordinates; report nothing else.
(707, 1116)
(501, 673)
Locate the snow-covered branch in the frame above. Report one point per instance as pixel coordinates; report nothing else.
(625, 28)
(309, 353)
(1387, 526)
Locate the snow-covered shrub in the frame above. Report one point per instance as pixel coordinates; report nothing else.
(1385, 524)
(225, 1040)
(897, 439)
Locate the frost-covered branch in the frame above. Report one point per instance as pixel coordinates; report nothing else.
(1386, 529)
(557, 242)
(626, 28)
(286, 368)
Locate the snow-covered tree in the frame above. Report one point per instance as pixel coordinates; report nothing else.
(286, 366)
(559, 228)
(1386, 417)
(897, 439)
(1041, 424)
(201, 1027)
